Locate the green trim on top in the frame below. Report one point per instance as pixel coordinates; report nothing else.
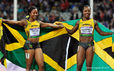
(34, 37)
(86, 35)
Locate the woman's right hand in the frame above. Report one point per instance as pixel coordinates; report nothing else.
(60, 24)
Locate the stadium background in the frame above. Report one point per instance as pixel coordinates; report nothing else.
(60, 10)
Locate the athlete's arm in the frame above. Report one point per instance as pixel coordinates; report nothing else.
(21, 23)
(51, 25)
(74, 29)
(101, 32)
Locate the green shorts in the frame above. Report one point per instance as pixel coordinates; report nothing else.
(30, 45)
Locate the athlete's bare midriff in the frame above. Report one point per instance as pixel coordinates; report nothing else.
(33, 40)
(86, 39)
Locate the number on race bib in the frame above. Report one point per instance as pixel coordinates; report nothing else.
(34, 32)
(86, 30)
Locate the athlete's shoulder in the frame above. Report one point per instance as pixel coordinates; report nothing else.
(95, 22)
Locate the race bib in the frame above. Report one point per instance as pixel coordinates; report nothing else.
(34, 32)
(86, 30)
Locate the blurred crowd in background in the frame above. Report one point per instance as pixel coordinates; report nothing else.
(60, 10)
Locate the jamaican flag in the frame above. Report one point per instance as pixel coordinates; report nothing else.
(53, 43)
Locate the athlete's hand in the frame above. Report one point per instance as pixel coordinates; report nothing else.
(59, 24)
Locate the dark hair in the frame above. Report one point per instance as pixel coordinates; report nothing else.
(30, 9)
(82, 8)
(85, 6)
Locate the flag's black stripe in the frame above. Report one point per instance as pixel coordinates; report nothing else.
(2, 45)
(9, 38)
(2, 49)
(109, 51)
(73, 47)
(56, 49)
(17, 27)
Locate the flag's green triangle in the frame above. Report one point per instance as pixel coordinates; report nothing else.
(20, 60)
(97, 36)
(1, 54)
(97, 65)
(71, 22)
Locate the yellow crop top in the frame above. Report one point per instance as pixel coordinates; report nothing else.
(1, 29)
(86, 28)
(32, 29)
(1, 32)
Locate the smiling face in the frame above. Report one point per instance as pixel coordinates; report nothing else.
(86, 12)
(34, 14)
